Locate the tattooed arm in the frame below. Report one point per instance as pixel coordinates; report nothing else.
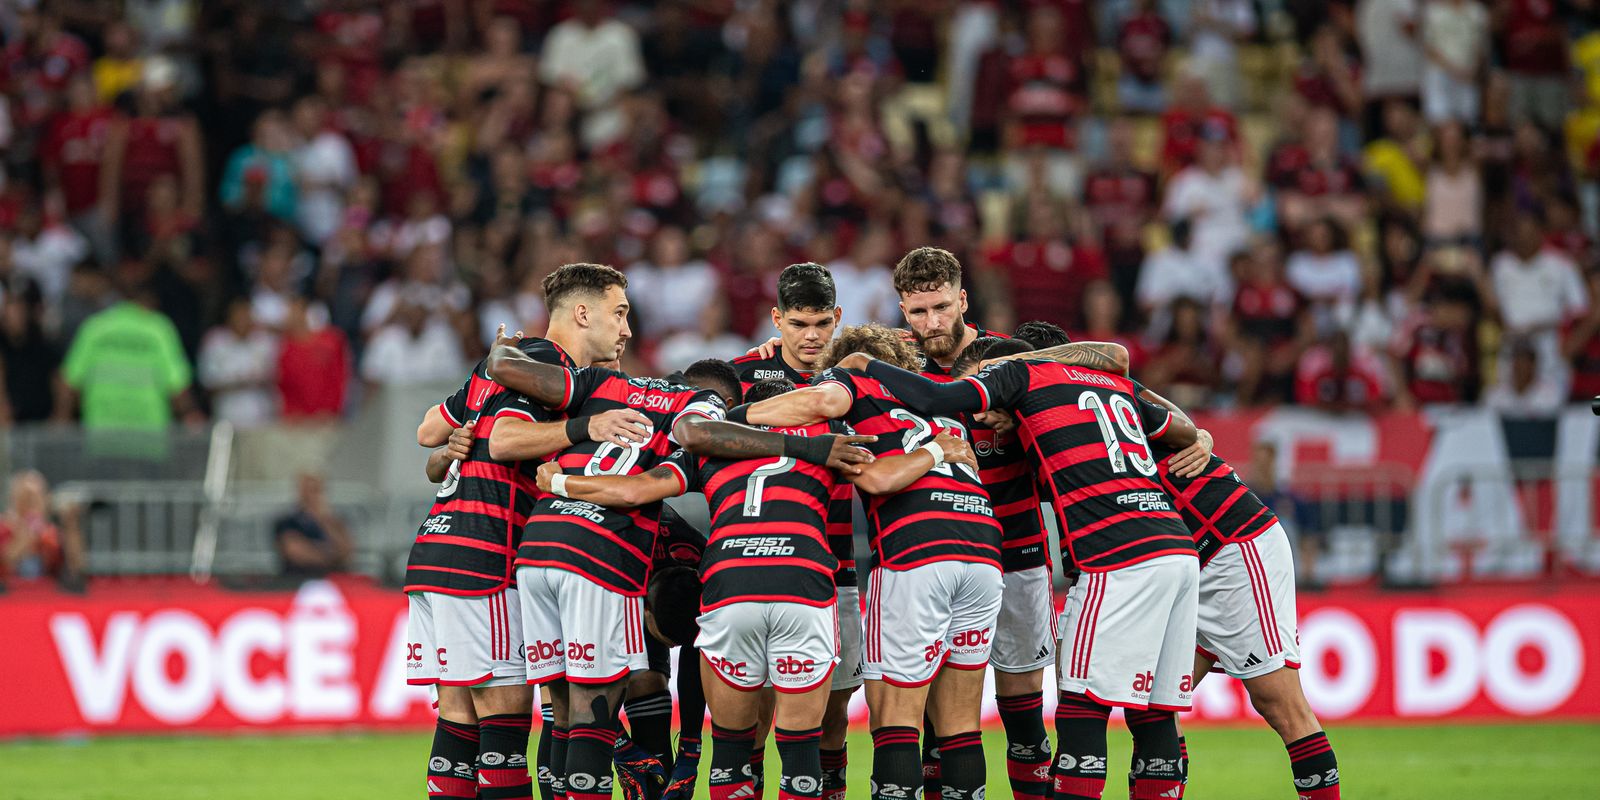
(718, 439)
(1102, 356)
(545, 384)
(614, 491)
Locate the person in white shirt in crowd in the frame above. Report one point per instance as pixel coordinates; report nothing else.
(597, 57)
(1537, 290)
(680, 350)
(279, 273)
(325, 169)
(1218, 26)
(1173, 272)
(425, 281)
(1390, 55)
(237, 364)
(416, 346)
(1325, 271)
(865, 282)
(1521, 390)
(46, 252)
(1455, 39)
(1214, 195)
(671, 290)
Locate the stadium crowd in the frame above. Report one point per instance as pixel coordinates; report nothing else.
(1359, 205)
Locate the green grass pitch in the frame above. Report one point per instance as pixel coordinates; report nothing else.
(1450, 762)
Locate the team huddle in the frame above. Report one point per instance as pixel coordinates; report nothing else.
(552, 573)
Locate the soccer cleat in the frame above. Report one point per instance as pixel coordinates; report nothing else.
(640, 774)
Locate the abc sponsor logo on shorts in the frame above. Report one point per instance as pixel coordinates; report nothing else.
(973, 638)
(578, 651)
(789, 665)
(1143, 682)
(540, 652)
(933, 652)
(729, 667)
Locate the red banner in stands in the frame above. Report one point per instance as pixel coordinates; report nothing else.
(174, 657)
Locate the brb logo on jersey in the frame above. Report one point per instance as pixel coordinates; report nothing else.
(729, 667)
(789, 665)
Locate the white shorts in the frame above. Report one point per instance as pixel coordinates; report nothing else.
(577, 629)
(1247, 621)
(922, 618)
(791, 646)
(1127, 636)
(1025, 633)
(848, 675)
(455, 640)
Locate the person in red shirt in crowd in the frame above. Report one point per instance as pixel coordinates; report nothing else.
(313, 367)
(1121, 199)
(1142, 43)
(1044, 272)
(70, 156)
(1437, 354)
(1331, 77)
(36, 65)
(158, 139)
(32, 545)
(1581, 344)
(1288, 155)
(1102, 322)
(1190, 114)
(1332, 378)
(1047, 89)
(354, 36)
(1186, 367)
(1564, 231)
(1534, 51)
(1328, 184)
(1269, 327)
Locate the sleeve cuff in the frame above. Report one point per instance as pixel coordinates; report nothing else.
(449, 417)
(677, 472)
(983, 391)
(1165, 424)
(515, 412)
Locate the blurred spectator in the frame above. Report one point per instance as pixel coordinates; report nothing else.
(32, 544)
(1219, 27)
(1455, 38)
(1329, 77)
(312, 540)
(1121, 199)
(1453, 212)
(1332, 378)
(313, 368)
(686, 347)
(417, 346)
(128, 368)
(1191, 118)
(46, 252)
(1537, 291)
(1186, 365)
(70, 161)
(670, 291)
(424, 282)
(1268, 328)
(1391, 60)
(279, 273)
(1048, 92)
(29, 359)
(1396, 160)
(157, 139)
(1523, 392)
(864, 281)
(119, 68)
(264, 161)
(1437, 353)
(1325, 271)
(597, 58)
(236, 365)
(1045, 272)
(1327, 184)
(1214, 195)
(325, 170)
(1534, 49)
(1103, 321)
(1142, 42)
(1173, 273)
(1582, 347)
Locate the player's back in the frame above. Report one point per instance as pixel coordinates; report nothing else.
(943, 515)
(768, 526)
(464, 544)
(1089, 431)
(611, 547)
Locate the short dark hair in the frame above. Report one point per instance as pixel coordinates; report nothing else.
(673, 598)
(1042, 334)
(768, 388)
(716, 375)
(985, 348)
(926, 269)
(807, 287)
(572, 280)
(885, 344)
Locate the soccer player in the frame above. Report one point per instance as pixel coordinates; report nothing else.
(768, 604)
(1128, 628)
(582, 568)
(806, 316)
(928, 280)
(935, 592)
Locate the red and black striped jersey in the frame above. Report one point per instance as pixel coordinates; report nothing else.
(678, 543)
(752, 367)
(612, 547)
(1217, 505)
(768, 543)
(841, 516)
(931, 368)
(942, 516)
(1088, 430)
(1007, 473)
(464, 546)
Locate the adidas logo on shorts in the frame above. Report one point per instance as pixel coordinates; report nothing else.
(1251, 660)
